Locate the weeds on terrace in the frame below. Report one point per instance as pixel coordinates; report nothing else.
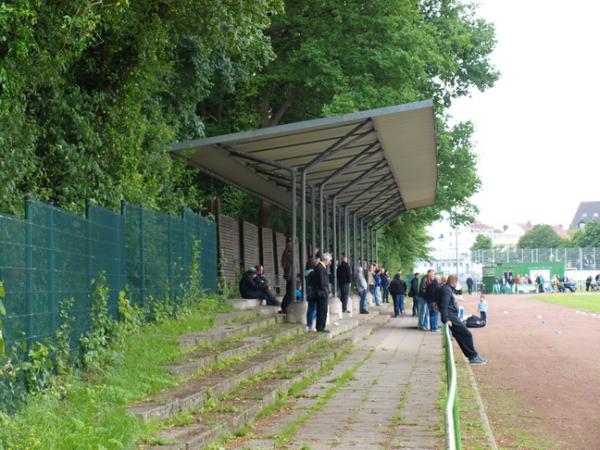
(55, 404)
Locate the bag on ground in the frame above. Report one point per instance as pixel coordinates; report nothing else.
(475, 322)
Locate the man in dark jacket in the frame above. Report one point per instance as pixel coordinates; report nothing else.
(470, 285)
(319, 282)
(344, 278)
(250, 287)
(414, 292)
(460, 332)
(398, 291)
(428, 291)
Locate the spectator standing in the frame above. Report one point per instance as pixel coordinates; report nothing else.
(251, 288)
(362, 286)
(378, 284)
(482, 308)
(311, 311)
(470, 285)
(371, 280)
(319, 280)
(428, 290)
(588, 283)
(344, 278)
(496, 285)
(449, 314)
(414, 292)
(398, 291)
(286, 264)
(385, 285)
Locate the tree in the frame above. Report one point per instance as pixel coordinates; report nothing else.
(540, 236)
(589, 236)
(342, 56)
(92, 93)
(482, 243)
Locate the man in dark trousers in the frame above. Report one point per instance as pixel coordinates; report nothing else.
(344, 278)
(428, 291)
(319, 281)
(470, 285)
(398, 291)
(460, 332)
(414, 292)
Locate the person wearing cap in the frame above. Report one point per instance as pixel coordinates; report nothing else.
(251, 287)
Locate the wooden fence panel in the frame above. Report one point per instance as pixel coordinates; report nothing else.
(268, 255)
(229, 249)
(251, 250)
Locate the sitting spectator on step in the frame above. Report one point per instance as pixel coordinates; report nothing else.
(260, 276)
(251, 288)
(449, 313)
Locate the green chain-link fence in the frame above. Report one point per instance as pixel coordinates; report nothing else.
(53, 255)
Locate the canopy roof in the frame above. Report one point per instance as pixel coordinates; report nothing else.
(375, 162)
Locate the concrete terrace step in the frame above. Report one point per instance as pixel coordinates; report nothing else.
(245, 304)
(226, 349)
(243, 406)
(193, 393)
(196, 338)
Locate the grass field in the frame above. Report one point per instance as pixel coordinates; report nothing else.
(582, 301)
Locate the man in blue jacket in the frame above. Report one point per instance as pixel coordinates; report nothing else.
(460, 332)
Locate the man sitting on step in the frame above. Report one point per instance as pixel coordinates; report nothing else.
(250, 287)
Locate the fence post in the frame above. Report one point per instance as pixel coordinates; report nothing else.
(186, 269)
(580, 258)
(88, 243)
(537, 255)
(28, 271)
(123, 246)
(142, 263)
(170, 257)
(51, 264)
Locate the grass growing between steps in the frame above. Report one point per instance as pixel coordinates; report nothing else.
(92, 411)
(289, 432)
(284, 396)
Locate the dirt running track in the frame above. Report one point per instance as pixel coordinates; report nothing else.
(543, 375)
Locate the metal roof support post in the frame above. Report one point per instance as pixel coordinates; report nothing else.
(354, 248)
(327, 216)
(314, 224)
(303, 229)
(321, 220)
(362, 240)
(333, 265)
(376, 249)
(294, 247)
(346, 232)
(367, 249)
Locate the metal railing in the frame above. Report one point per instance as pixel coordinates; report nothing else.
(451, 407)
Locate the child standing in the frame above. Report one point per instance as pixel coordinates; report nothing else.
(482, 308)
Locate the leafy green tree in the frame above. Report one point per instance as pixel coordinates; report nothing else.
(540, 236)
(482, 243)
(589, 236)
(93, 92)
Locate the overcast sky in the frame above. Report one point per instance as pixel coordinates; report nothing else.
(536, 130)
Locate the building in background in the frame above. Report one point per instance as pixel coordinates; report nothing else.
(586, 212)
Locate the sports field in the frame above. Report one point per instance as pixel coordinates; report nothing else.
(541, 382)
(583, 301)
